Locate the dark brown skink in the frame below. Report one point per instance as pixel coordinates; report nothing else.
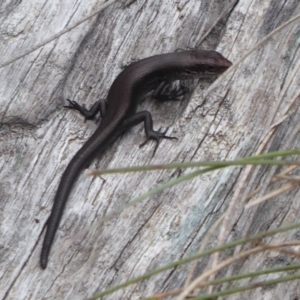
(120, 114)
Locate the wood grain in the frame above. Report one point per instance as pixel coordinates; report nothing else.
(229, 118)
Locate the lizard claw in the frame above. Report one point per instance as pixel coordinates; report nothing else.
(156, 136)
(88, 114)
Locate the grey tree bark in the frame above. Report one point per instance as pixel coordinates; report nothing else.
(254, 108)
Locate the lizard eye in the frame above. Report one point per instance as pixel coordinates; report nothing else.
(211, 69)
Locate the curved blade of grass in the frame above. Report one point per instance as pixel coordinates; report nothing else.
(262, 159)
(230, 279)
(248, 287)
(254, 274)
(194, 257)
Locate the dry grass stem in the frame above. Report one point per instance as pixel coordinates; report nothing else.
(199, 282)
(271, 195)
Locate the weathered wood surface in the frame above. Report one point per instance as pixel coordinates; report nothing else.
(38, 138)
